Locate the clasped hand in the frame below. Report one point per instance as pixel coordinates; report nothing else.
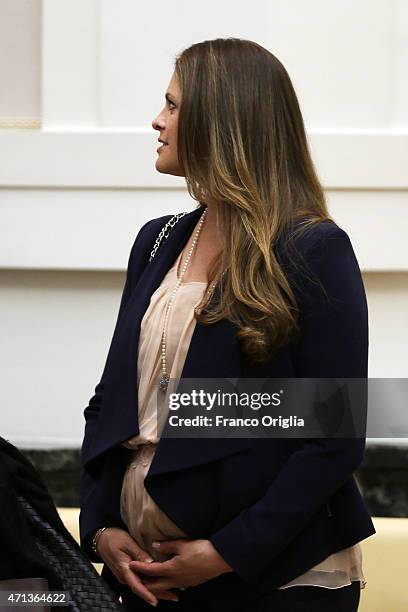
(194, 562)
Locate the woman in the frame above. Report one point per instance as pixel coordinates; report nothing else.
(256, 282)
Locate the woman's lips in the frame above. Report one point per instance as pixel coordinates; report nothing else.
(161, 147)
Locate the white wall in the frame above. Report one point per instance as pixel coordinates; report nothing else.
(75, 192)
(20, 63)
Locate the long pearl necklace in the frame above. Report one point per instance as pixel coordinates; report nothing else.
(164, 380)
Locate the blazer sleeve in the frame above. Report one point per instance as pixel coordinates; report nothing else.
(334, 343)
(92, 516)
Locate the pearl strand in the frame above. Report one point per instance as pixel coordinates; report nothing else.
(164, 380)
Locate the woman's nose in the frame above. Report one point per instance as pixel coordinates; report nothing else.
(157, 124)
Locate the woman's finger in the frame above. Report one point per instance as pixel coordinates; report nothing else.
(166, 595)
(159, 584)
(157, 568)
(137, 586)
(160, 593)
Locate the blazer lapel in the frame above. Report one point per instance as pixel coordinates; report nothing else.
(213, 353)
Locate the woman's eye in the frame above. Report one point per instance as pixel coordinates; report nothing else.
(172, 104)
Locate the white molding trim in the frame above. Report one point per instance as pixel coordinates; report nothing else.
(43, 442)
(93, 229)
(21, 123)
(57, 443)
(354, 159)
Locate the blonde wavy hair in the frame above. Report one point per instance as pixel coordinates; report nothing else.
(242, 143)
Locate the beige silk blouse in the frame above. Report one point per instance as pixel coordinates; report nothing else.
(145, 520)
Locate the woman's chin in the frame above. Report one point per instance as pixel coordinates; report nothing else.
(165, 168)
(161, 166)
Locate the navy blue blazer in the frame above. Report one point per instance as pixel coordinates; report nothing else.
(275, 507)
